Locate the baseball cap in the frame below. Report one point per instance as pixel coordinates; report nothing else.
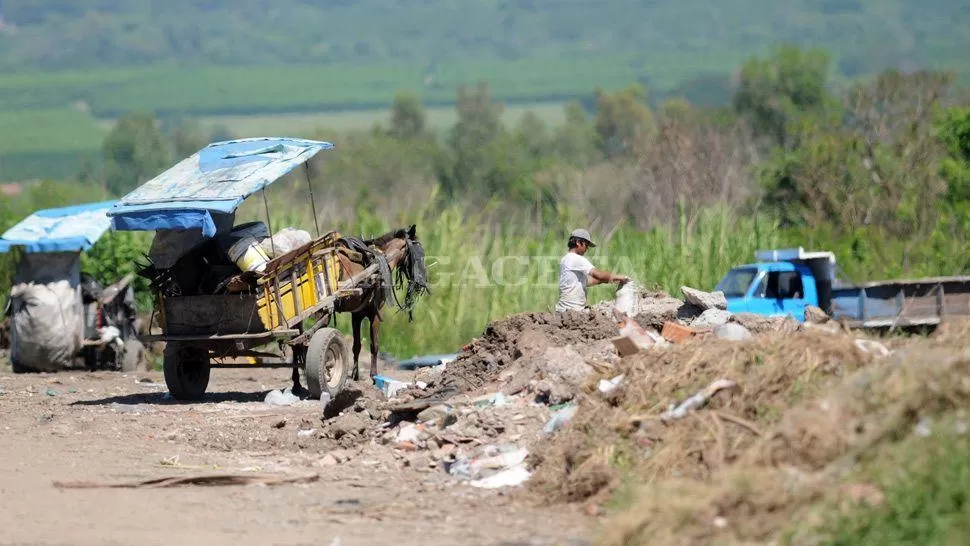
(582, 234)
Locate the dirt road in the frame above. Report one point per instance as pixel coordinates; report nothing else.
(113, 427)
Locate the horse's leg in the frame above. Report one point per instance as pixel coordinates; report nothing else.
(375, 330)
(299, 361)
(356, 319)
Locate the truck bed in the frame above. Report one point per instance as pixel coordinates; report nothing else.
(900, 303)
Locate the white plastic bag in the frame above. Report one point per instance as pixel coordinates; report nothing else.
(627, 299)
(285, 240)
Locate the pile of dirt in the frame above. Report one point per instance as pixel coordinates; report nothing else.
(806, 460)
(629, 428)
(353, 416)
(520, 337)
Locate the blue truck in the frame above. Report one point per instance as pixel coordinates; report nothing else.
(785, 282)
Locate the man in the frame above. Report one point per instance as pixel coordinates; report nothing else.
(576, 273)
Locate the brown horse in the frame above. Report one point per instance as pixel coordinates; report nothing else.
(402, 252)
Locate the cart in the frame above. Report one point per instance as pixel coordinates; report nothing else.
(59, 319)
(284, 318)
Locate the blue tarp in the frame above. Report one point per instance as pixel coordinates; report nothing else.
(215, 179)
(65, 229)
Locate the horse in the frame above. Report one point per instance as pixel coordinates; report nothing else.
(402, 252)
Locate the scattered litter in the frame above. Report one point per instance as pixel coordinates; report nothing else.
(51, 392)
(306, 433)
(560, 418)
(498, 466)
(924, 428)
(516, 475)
(732, 332)
(389, 386)
(697, 401)
(872, 347)
(442, 414)
(606, 386)
(494, 399)
(281, 423)
(409, 433)
(204, 479)
(281, 398)
(427, 361)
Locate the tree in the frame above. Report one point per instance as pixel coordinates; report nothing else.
(187, 137)
(779, 90)
(408, 117)
(474, 138)
(623, 120)
(575, 140)
(134, 151)
(954, 133)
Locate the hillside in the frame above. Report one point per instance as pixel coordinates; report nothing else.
(68, 67)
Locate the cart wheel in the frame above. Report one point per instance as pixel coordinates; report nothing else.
(186, 371)
(132, 360)
(326, 362)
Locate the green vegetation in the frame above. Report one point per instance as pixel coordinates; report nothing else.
(73, 63)
(926, 483)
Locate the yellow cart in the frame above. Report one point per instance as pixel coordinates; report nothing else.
(291, 310)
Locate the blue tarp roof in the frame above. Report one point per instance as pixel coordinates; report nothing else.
(64, 229)
(216, 179)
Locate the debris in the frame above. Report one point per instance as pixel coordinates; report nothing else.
(676, 333)
(560, 418)
(410, 433)
(442, 414)
(606, 386)
(704, 300)
(697, 401)
(205, 479)
(815, 315)
(281, 423)
(281, 398)
(516, 475)
(732, 332)
(305, 433)
(329, 460)
(627, 303)
(711, 318)
(51, 392)
(498, 466)
(389, 386)
(427, 361)
(873, 347)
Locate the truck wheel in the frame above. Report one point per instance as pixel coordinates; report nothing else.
(186, 371)
(326, 362)
(133, 359)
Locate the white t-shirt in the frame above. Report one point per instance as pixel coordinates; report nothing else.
(573, 275)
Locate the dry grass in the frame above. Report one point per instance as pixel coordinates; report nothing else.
(805, 457)
(623, 433)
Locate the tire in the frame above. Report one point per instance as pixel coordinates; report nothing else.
(327, 363)
(133, 359)
(186, 371)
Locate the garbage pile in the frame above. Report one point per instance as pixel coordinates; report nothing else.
(480, 416)
(184, 263)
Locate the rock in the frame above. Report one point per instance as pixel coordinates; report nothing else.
(814, 315)
(553, 393)
(443, 415)
(329, 460)
(711, 318)
(732, 331)
(704, 300)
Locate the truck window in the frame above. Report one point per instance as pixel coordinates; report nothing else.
(784, 285)
(735, 284)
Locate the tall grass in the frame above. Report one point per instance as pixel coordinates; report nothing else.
(484, 266)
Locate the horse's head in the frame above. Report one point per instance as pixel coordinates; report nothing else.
(406, 255)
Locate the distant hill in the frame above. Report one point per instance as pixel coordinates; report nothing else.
(66, 66)
(865, 34)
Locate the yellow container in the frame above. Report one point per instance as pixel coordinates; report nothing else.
(294, 286)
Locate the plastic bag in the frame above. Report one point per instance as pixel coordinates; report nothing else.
(45, 325)
(285, 240)
(627, 299)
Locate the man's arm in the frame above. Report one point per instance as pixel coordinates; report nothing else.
(598, 276)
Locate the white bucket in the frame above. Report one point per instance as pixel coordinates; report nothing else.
(248, 255)
(627, 299)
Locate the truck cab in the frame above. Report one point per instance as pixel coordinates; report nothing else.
(783, 283)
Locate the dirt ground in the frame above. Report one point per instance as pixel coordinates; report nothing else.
(111, 427)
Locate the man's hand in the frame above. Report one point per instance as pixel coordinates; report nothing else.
(620, 279)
